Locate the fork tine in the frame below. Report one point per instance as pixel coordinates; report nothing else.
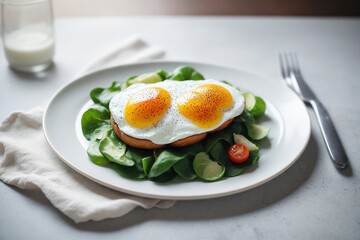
(286, 69)
(286, 66)
(290, 62)
(295, 63)
(294, 69)
(283, 68)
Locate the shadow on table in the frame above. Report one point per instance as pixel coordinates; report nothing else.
(35, 76)
(242, 203)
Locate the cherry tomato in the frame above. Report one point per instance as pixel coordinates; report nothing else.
(238, 153)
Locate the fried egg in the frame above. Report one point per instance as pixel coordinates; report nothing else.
(167, 111)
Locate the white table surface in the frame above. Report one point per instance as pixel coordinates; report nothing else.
(311, 200)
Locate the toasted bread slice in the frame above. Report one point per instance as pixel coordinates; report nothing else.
(147, 144)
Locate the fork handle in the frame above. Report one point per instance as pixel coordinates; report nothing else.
(331, 138)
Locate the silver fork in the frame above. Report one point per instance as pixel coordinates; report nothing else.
(291, 73)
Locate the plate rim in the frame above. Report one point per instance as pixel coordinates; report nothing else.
(169, 197)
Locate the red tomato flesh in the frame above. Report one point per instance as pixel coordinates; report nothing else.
(238, 153)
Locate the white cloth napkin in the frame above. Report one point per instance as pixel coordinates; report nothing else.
(130, 50)
(28, 162)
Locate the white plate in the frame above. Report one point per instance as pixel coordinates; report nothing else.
(285, 114)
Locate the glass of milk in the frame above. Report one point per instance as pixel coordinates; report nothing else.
(28, 34)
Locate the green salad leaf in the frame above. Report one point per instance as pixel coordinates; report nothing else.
(233, 170)
(165, 161)
(163, 74)
(94, 153)
(185, 73)
(147, 162)
(114, 150)
(254, 104)
(184, 169)
(103, 96)
(165, 177)
(95, 117)
(128, 172)
(254, 131)
(137, 170)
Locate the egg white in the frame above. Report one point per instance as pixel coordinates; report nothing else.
(173, 126)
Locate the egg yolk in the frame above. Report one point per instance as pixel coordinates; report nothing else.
(204, 105)
(147, 106)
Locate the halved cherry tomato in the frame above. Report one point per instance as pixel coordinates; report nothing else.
(238, 153)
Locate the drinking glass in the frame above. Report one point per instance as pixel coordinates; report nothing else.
(28, 34)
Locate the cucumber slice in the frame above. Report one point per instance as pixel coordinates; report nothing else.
(258, 132)
(255, 104)
(146, 78)
(115, 152)
(207, 169)
(243, 140)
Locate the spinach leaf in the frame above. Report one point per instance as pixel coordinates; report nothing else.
(196, 76)
(138, 154)
(102, 131)
(219, 151)
(94, 153)
(137, 171)
(233, 169)
(192, 149)
(236, 126)
(165, 161)
(128, 172)
(247, 118)
(128, 81)
(93, 149)
(212, 138)
(163, 74)
(104, 95)
(147, 162)
(93, 118)
(165, 177)
(114, 150)
(184, 169)
(185, 73)
(254, 131)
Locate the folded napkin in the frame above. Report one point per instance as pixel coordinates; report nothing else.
(130, 50)
(29, 167)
